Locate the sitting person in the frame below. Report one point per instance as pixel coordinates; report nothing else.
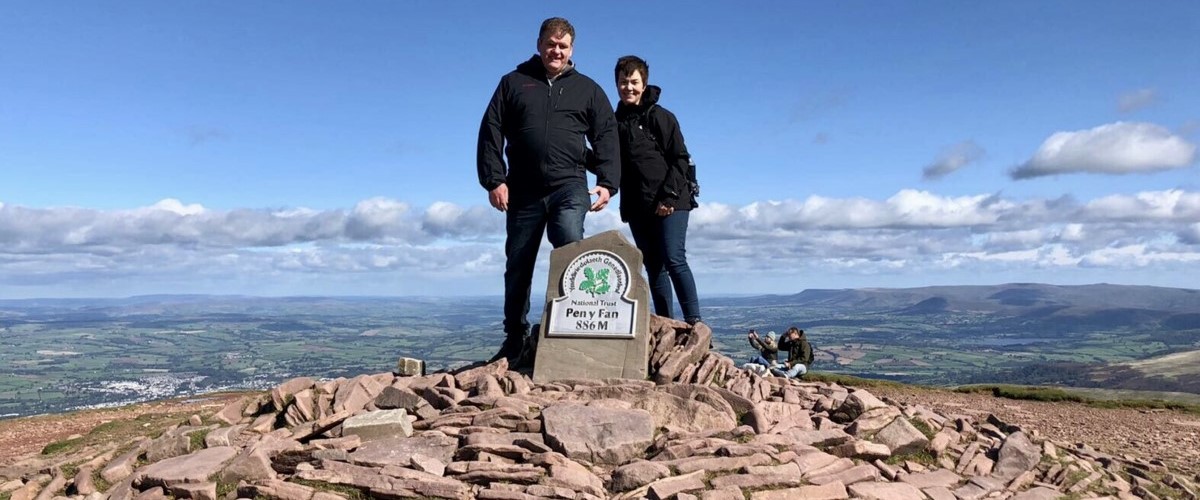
(800, 354)
(768, 351)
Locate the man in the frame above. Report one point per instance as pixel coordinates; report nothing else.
(540, 116)
(800, 354)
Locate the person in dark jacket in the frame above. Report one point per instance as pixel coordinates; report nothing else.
(800, 354)
(541, 117)
(768, 351)
(656, 195)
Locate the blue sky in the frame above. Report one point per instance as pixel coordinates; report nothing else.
(288, 148)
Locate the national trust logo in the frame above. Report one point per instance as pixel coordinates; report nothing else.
(597, 273)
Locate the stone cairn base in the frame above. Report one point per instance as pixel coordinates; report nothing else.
(702, 428)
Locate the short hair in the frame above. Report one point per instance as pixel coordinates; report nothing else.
(795, 330)
(556, 26)
(628, 64)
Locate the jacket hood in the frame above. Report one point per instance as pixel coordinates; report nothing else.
(649, 98)
(533, 67)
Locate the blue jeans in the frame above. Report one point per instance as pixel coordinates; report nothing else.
(560, 216)
(759, 359)
(662, 241)
(797, 370)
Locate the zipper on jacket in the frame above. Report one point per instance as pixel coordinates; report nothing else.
(550, 107)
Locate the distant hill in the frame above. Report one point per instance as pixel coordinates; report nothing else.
(1173, 372)
(1012, 298)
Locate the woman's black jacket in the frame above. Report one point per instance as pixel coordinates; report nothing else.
(654, 159)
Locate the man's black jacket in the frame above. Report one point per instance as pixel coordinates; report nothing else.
(544, 124)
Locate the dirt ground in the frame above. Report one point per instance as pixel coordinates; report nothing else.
(1170, 436)
(22, 437)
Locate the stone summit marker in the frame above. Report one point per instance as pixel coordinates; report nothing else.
(597, 319)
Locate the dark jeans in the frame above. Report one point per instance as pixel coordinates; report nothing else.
(662, 242)
(560, 216)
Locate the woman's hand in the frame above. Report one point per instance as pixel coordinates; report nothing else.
(664, 210)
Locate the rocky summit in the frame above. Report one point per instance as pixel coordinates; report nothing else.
(700, 428)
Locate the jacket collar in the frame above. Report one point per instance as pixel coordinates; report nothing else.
(533, 67)
(649, 98)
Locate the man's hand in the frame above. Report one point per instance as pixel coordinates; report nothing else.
(663, 210)
(602, 201)
(499, 197)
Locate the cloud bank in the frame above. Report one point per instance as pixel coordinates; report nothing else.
(1116, 148)
(447, 248)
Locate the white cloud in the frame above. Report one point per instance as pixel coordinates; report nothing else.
(951, 159)
(1172, 204)
(389, 246)
(1115, 148)
(1137, 99)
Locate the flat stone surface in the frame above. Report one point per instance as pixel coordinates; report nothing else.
(1038, 493)
(378, 424)
(598, 435)
(720, 464)
(561, 357)
(939, 493)
(865, 472)
(249, 465)
(672, 411)
(863, 450)
(902, 437)
(829, 491)
(399, 451)
(814, 460)
(937, 477)
(757, 481)
(857, 403)
(168, 445)
(886, 491)
(668, 487)
(726, 493)
(194, 468)
(873, 420)
(821, 438)
(637, 474)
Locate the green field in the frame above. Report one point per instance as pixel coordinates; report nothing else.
(58, 355)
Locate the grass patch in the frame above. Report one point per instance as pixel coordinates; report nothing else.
(225, 488)
(923, 427)
(70, 470)
(1056, 395)
(923, 457)
(6, 495)
(98, 480)
(61, 446)
(1075, 477)
(349, 492)
(197, 438)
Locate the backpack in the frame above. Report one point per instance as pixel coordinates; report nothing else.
(693, 185)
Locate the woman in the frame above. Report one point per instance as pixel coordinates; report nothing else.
(656, 194)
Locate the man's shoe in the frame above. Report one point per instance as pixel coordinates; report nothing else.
(511, 349)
